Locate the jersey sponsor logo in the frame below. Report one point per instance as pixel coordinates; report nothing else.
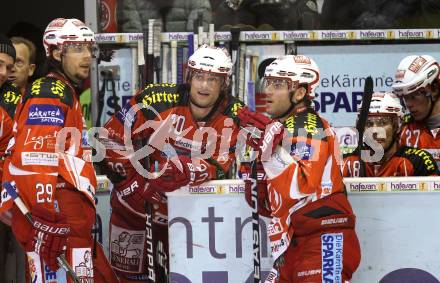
(39, 158)
(188, 144)
(45, 114)
(11, 97)
(236, 107)
(39, 141)
(290, 124)
(157, 97)
(427, 159)
(125, 115)
(302, 150)
(311, 124)
(331, 256)
(36, 86)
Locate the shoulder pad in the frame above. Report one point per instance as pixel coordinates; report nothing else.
(160, 97)
(9, 97)
(420, 158)
(47, 87)
(306, 123)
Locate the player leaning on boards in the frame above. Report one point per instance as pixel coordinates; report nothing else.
(312, 228)
(418, 83)
(188, 130)
(55, 180)
(383, 125)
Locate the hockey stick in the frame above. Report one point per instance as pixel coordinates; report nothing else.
(360, 125)
(149, 62)
(234, 44)
(173, 61)
(256, 247)
(157, 31)
(61, 260)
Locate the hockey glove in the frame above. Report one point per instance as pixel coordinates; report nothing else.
(136, 190)
(263, 199)
(271, 131)
(185, 172)
(49, 235)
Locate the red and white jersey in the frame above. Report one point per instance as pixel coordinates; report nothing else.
(39, 162)
(9, 98)
(416, 134)
(301, 173)
(159, 125)
(406, 161)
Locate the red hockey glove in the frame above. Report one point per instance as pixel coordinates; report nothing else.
(263, 198)
(49, 235)
(272, 131)
(136, 190)
(173, 178)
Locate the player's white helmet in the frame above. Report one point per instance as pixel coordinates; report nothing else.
(211, 59)
(62, 31)
(415, 72)
(298, 69)
(386, 103)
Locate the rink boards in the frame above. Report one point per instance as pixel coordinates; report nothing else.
(210, 230)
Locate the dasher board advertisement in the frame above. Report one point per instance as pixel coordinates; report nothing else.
(210, 234)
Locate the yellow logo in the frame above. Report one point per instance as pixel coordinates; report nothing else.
(236, 107)
(390, 34)
(58, 88)
(36, 86)
(11, 97)
(156, 97)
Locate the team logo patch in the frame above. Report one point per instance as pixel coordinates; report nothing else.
(45, 114)
(331, 255)
(127, 248)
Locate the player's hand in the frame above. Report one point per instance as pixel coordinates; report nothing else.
(49, 235)
(179, 172)
(270, 131)
(263, 199)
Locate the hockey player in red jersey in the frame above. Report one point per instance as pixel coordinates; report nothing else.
(417, 82)
(187, 133)
(9, 97)
(387, 158)
(312, 228)
(51, 167)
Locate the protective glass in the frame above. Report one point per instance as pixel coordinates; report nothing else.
(81, 47)
(210, 78)
(276, 84)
